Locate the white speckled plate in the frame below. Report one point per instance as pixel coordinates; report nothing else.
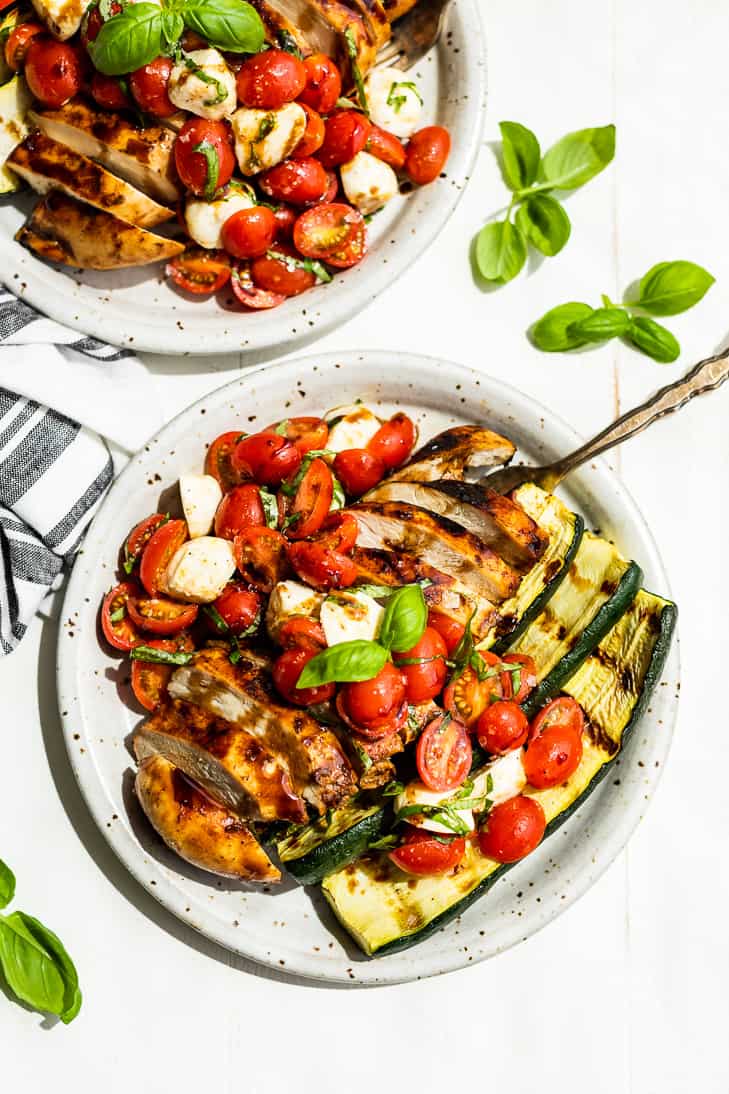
(291, 928)
(137, 307)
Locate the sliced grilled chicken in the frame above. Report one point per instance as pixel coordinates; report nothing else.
(197, 828)
(438, 542)
(453, 453)
(243, 695)
(280, 29)
(142, 156)
(48, 165)
(231, 765)
(321, 25)
(497, 520)
(61, 229)
(375, 19)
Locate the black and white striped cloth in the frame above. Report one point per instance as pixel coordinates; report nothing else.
(62, 398)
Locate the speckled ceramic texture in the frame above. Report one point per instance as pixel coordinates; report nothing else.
(137, 308)
(291, 928)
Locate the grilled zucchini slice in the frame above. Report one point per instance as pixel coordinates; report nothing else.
(312, 851)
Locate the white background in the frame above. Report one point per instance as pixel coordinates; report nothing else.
(627, 991)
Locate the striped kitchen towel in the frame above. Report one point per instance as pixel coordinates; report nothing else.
(71, 409)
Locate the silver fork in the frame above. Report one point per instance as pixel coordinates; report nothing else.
(706, 376)
(414, 34)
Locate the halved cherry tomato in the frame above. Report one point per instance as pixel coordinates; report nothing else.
(367, 700)
(249, 293)
(450, 630)
(53, 70)
(157, 554)
(338, 532)
(554, 750)
(148, 85)
(286, 671)
(240, 508)
(386, 146)
(160, 616)
(199, 271)
(305, 433)
(321, 567)
(108, 92)
(526, 677)
(426, 855)
(467, 697)
(192, 166)
(346, 134)
(217, 459)
(260, 554)
(393, 441)
(502, 727)
(268, 80)
(443, 754)
(238, 607)
(311, 501)
(424, 679)
(150, 680)
(377, 728)
(138, 539)
(298, 632)
(17, 44)
(281, 275)
(119, 630)
(335, 232)
(323, 83)
(267, 457)
(358, 470)
(563, 713)
(296, 181)
(426, 154)
(313, 137)
(513, 829)
(249, 232)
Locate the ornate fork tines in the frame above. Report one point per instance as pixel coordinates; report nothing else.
(414, 34)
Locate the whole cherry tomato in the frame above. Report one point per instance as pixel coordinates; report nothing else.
(386, 146)
(192, 166)
(346, 134)
(260, 555)
(249, 232)
(426, 154)
(286, 671)
(368, 700)
(323, 83)
(443, 754)
(240, 508)
(450, 630)
(285, 220)
(322, 567)
(238, 607)
(108, 92)
(278, 272)
(296, 181)
(393, 441)
(17, 44)
(53, 70)
(332, 231)
(148, 85)
(502, 727)
(358, 470)
(268, 80)
(513, 829)
(554, 750)
(425, 855)
(313, 137)
(424, 679)
(266, 457)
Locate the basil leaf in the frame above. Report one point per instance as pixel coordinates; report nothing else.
(578, 157)
(51, 943)
(339, 498)
(28, 969)
(500, 251)
(405, 619)
(351, 47)
(519, 155)
(554, 331)
(545, 223)
(172, 28)
(378, 592)
(270, 507)
(673, 287)
(7, 884)
(654, 340)
(345, 662)
(128, 40)
(601, 324)
(233, 25)
(160, 657)
(212, 165)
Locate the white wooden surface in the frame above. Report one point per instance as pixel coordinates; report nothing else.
(627, 991)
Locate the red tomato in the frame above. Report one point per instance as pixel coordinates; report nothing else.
(53, 70)
(270, 79)
(199, 271)
(378, 728)
(323, 83)
(238, 607)
(301, 633)
(554, 750)
(148, 85)
(425, 679)
(345, 135)
(217, 459)
(513, 829)
(249, 232)
(249, 294)
(240, 508)
(266, 457)
(17, 44)
(138, 538)
(321, 567)
(368, 700)
(149, 680)
(502, 727)
(338, 532)
(285, 220)
(426, 855)
(158, 552)
(443, 755)
(313, 137)
(527, 677)
(286, 671)
(119, 630)
(358, 470)
(334, 231)
(426, 154)
(450, 630)
(386, 146)
(306, 433)
(160, 616)
(192, 166)
(467, 697)
(296, 181)
(393, 441)
(108, 92)
(260, 554)
(281, 275)
(311, 501)
(564, 712)
(331, 191)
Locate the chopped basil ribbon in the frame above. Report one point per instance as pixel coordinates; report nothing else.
(404, 661)
(384, 843)
(287, 43)
(351, 45)
(292, 518)
(267, 125)
(216, 618)
(118, 615)
(270, 507)
(339, 498)
(398, 101)
(160, 657)
(282, 428)
(236, 653)
(221, 90)
(210, 152)
(309, 264)
(362, 756)
(392, 789)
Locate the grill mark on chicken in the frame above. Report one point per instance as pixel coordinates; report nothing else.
(449, 455)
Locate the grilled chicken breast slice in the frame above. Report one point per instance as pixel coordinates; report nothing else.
(141, 156)
(198, 829)
(438, 542)
(453, 453)
(321, 25)
(47, 165)
(62, 229)
(494, 518)
(244, 696)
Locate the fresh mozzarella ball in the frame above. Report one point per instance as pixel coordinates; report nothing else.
(264, 138)
(349, 615)
(203, 84)
(368, 182)
(395, 102)
(416, 793)
(205, 219)
(200, 569)
(507, 778)
(200, 496)
(62, 18)
(289, 599)
(356, 426)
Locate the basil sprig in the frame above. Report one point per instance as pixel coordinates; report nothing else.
(7, 884)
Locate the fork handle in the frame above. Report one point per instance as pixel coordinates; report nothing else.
(705, 376)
